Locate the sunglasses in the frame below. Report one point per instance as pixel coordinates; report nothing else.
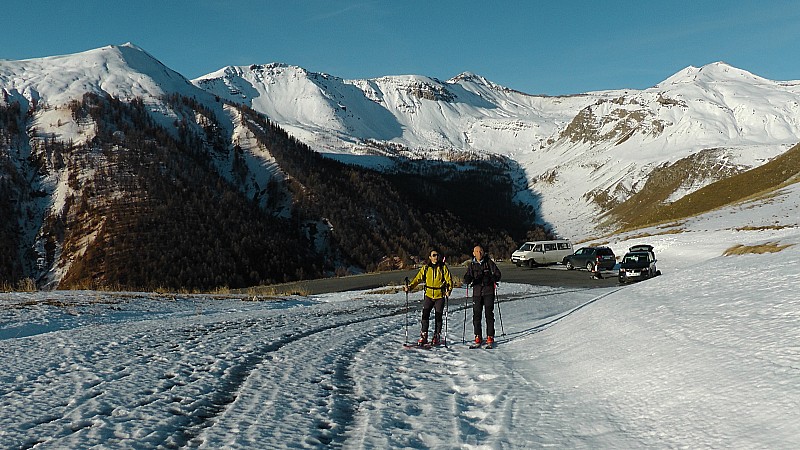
(434, 255)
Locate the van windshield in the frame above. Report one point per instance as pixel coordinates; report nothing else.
(526, 247)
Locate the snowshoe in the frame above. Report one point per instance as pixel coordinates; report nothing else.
(477, 342)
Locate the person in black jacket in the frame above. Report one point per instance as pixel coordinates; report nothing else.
(483, 275)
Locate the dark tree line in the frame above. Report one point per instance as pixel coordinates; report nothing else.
(405, 213)
(149, 209)
(11, 193)
(177, 223)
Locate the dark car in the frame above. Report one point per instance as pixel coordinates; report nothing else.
(638, 264)
(588, 257)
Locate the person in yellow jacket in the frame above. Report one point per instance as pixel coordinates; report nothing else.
(437, 284)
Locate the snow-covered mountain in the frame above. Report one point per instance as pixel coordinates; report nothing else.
(46, 86)
(108, 146)
(42, 97)
(581, 154)
(125, 72)
(577, 159)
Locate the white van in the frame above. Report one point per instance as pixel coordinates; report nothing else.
(542, 252)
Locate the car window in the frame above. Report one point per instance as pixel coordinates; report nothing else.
(637, 257)
(526, 247)
(563, 246)
(538, 248)
(549, 247)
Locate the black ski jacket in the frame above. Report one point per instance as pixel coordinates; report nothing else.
(482, 273)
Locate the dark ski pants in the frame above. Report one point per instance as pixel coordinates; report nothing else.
(483, 301)
(427, 306)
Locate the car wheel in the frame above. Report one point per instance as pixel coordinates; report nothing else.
(569, 265)
(517, 264)
(532, 263)
(590, 266)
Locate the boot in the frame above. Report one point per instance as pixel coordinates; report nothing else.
(478, 339)
(489, 340)
(437, 339)
(423, 339)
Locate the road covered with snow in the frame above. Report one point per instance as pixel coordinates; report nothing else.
(86, 369)
(621, 367)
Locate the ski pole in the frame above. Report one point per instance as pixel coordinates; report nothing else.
(446, 313)
(466, 306)
(406, 310)
(502, 331)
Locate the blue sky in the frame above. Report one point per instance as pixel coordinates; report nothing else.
(538, 47)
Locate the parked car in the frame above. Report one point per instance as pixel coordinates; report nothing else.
(534, 253)
(638, 264)
(587, 257)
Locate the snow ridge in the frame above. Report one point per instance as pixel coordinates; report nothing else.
(574, 150)
(579, 154)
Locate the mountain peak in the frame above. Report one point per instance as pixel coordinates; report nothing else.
(131, 45)
(123, 71)
(256, 71)
(470, 77)
(467, 76)
(719, 71)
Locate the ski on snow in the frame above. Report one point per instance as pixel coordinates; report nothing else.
(481, 345)
(427, 346)
(422, 347)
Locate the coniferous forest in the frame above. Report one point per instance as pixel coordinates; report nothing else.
(148, 208)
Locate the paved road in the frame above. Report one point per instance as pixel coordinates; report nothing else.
(556, 276)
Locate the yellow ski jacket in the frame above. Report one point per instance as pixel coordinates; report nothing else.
(436, 279)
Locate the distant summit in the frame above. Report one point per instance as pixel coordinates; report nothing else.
(124, 71)
(714, 72)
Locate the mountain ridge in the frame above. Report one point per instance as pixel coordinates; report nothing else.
(573, 159)
(182, 190)
(571, 140)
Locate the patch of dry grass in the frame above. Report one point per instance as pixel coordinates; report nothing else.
(762, 228)
(23, 285)
(769, 247)
(277, 290)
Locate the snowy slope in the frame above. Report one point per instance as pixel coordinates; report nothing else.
(704, 356)
(45, 88)
(575, 157)
(578, 152)
(579, 155)
(419, 112)
(124, 71)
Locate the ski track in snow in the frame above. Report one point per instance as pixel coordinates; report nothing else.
(226, 373)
